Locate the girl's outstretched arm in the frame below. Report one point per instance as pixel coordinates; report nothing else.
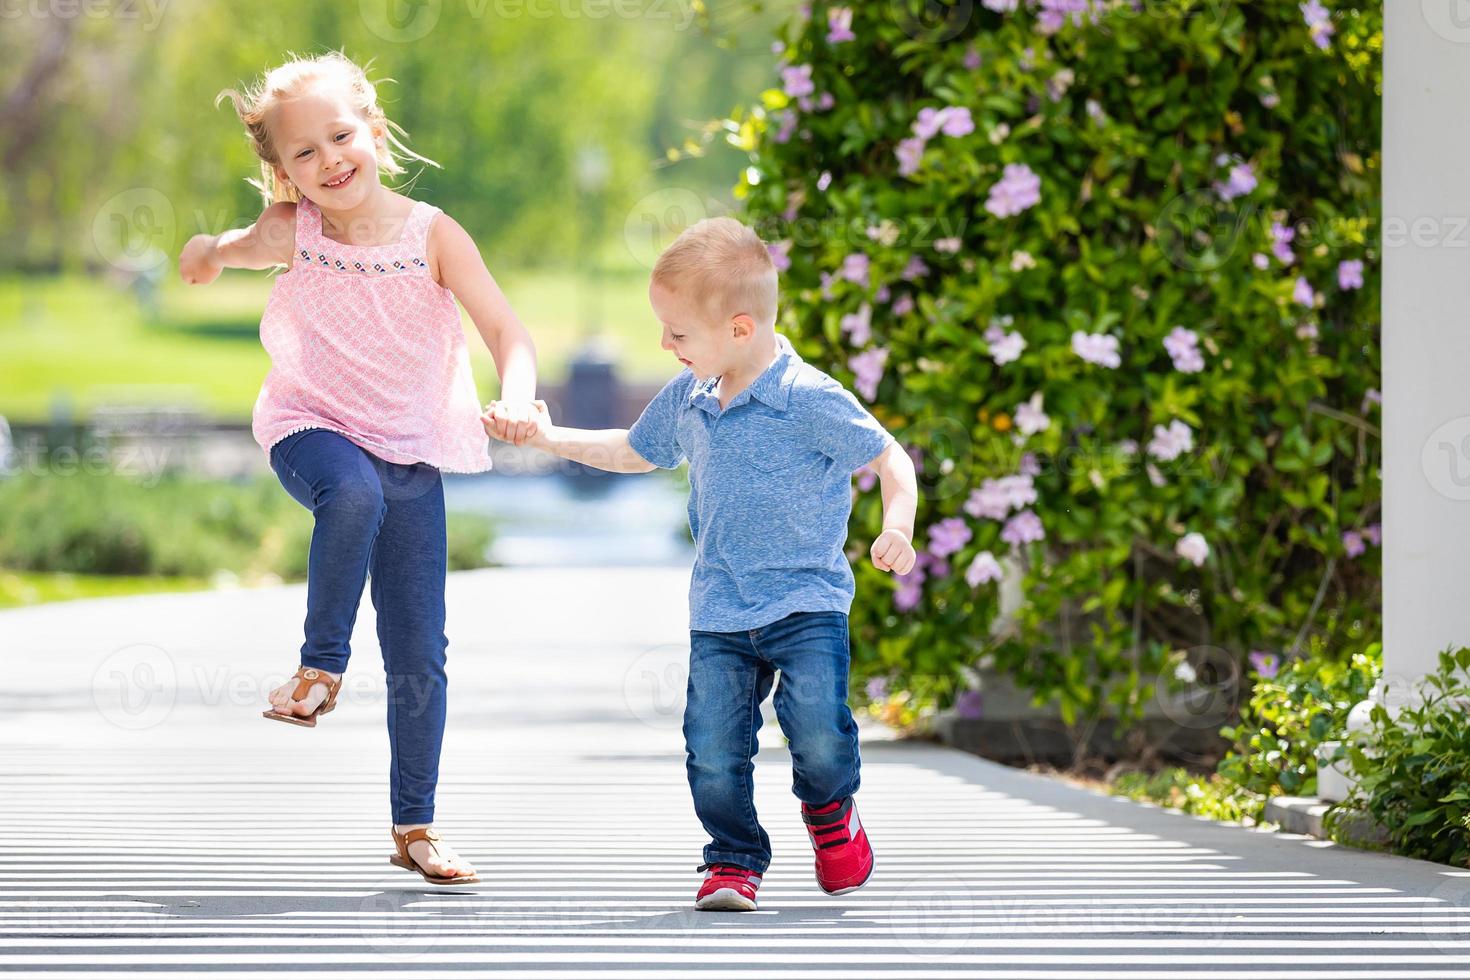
(265, 244)
(461, 270)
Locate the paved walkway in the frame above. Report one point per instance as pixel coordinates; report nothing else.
(159, 827)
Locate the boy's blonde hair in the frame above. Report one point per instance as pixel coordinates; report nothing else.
(291, 79)
(724, 266)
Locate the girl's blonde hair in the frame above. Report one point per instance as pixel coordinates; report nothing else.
(291, 79)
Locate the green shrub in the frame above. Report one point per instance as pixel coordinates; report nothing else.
(1289, 714)
(95, 524)
(894, 146)
(1413, 778)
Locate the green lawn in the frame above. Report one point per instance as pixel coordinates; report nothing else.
(29, 588)
(86, 342)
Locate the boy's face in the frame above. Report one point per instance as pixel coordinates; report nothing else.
(326, 148)
(706, 345)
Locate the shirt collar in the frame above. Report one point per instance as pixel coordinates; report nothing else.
(773, 386)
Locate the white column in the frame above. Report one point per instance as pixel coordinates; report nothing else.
(1426, 343)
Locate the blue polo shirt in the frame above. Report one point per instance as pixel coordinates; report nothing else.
(770, 488)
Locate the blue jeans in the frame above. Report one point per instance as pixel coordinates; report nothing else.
(730, 674)
(385, 520)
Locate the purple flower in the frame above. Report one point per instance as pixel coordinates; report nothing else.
(910, 591)
(1281, 239)
(958, 122)
(780, 254)
(788, 126)
(1319, 23)
(867, 478)
(1266, 664)
(877, 688)
(1023, 528)
(1260, 261)
(855, 268)
(971, 61)
(1304, 294)
(910, 153)
(1001, 6)
(1172, 442)
(903, 306)
(916, 269)
(1350, 274)
(968, 704)
(859, 326)
(1371, 396)
(984, 568)
(1374, 534)
(1241, 182)
(1352, 543)
(839, 25)
(1193, 548)
(1183, 348)
(867, 367)
(1055, 14)
(1016, 191)
(1030, 465)
(948, 536)
(824, 180)
(948, 246)
(797, 80)
(995, 498)
(1030, 419)
(1004, 347)
(1096, 348)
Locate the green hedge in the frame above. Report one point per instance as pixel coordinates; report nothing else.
(1058, 260)
(105, 524)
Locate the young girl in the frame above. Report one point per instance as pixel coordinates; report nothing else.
(369, 398)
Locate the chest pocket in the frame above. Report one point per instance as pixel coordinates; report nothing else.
(774, 445)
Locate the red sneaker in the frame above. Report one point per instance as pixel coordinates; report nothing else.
(727, 888)
(844, 857)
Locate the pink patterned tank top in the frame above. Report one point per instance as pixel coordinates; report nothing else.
(365, 343)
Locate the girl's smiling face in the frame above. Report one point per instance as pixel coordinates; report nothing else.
(326, 148)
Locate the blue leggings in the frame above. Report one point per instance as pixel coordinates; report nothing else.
(385, 520)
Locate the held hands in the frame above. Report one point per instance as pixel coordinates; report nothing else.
(516, 422)
(198, 265)
(893, 552)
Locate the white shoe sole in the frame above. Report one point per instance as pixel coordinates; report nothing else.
(725, 900)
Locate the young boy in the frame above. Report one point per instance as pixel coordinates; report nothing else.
(772, 444)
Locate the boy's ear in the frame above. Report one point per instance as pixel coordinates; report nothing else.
(742, 326)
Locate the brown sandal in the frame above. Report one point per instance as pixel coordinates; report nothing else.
(402, 859)
(305, 678)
